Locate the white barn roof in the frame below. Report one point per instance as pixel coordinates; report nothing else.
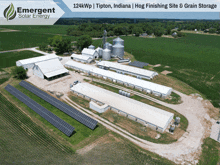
(79, 65)
(81, 57)
(51, 68)
(90, 52)
(135, 108)
(38, 59)
(124, 78)
(134, 70)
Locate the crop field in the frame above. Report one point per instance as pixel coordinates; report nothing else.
(9, 59)
(19, 40)
(193, 59)
(22, 141)
(52, 29)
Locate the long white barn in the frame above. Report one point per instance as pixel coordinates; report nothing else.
(29, 63)
(150, 116)
(140, 73)
(149, 87)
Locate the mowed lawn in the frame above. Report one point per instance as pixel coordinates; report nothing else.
(9, 59)
(19, 40)
(194, 59)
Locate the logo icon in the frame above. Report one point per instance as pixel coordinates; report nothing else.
(9, 12)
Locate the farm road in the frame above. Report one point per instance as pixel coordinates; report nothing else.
(31, 49)
(187, 148)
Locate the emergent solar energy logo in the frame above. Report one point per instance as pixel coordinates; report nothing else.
(9, 12)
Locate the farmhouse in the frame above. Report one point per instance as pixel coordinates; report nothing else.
(139, 73)
(29, 63)
(90, 52)
(49, 69)
(142, 85)
(82, 58)
(147, 115)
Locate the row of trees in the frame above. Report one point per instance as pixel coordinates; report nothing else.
(158, 28)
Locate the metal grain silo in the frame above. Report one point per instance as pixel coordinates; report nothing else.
(106, 54)
(100, 52)
(107, 45)
(91, 47)
(118, 50)
(118, 40)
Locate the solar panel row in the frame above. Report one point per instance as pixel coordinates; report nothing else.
(43, 112)
(138, 64)
(82, 118)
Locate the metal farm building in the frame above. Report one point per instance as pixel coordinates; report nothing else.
(147, 115)
(142, 85)
(29, 63)
(81, 58)
(49, 69)
(90, 52)
(124, 69)
(79, 66)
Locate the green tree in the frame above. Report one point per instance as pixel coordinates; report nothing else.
(63, 46)
(137, 31)
(43, 46)
(213, 30)
(19, 72)
(54, 40)
(158, 31)
(84, 41)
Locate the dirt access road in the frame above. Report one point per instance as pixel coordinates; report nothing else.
(186, 149)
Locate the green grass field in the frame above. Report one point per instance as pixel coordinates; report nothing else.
(9, 59)
(210, 152)
(193, 59)
(19, 40)
(51, 29)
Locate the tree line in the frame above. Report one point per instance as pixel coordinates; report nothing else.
(155, 28)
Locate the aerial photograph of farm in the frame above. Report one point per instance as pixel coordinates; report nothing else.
(110, 91)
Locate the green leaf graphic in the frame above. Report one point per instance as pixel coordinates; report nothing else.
(10, 12)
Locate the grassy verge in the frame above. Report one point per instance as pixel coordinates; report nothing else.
(210, 152)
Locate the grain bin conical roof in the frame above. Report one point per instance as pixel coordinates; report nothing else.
(118, 45)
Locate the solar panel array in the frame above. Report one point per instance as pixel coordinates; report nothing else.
(82, 118)
(138, 64)
(43, 112)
